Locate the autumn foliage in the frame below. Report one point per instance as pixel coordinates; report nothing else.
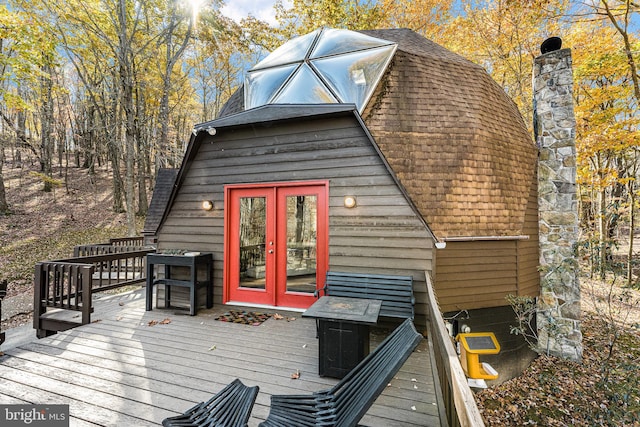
(88, 84)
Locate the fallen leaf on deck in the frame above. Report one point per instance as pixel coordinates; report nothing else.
(121, 303)
(278, 316)
(97, 321)
(119, 318)
(413, 408)
(213, 347)
(295, 375)
(1, 353)
(165, 321)
(152, 322)
(290, 319)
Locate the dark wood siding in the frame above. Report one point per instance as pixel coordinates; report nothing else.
(381, 235)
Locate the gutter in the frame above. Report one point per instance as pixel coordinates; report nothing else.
(480, 238)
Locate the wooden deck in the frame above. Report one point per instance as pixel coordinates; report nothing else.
(121, 371)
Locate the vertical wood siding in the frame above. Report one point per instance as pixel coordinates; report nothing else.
(381, 235)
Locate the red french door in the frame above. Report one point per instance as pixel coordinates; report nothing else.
(276, 243)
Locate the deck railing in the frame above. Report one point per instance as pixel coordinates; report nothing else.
(127, 241)
(460, 405)
(65, 287)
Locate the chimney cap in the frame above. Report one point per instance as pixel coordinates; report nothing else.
(551, 44)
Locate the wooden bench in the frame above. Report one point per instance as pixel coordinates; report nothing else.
(347, 402)
(396, 292)
(230, 407)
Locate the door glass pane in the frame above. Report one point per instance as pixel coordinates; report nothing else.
(301, 243)
(253, 220)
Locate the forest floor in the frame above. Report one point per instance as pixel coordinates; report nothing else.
(47, 225)
(603, 389)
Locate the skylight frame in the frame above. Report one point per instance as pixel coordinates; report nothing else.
(308, 60)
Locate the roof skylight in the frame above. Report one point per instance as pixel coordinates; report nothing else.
(325, 66)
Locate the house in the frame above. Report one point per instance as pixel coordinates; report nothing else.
(374, 151)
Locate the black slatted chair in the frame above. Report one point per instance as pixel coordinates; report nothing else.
(346, 403)
(230, 407)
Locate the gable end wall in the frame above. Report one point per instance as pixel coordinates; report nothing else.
(381, 235)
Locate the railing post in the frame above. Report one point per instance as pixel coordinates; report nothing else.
(86, 279)
(39, 308)
(3, 293)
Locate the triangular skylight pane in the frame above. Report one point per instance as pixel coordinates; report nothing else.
(354, 76)
(305, 88)
(260, 86)
(334, 42)
(292, 51)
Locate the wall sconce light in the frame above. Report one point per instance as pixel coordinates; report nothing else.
(441, 245)
(211, 131)
(350, 202)
(207, 205)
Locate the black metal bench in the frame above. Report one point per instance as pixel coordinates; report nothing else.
(231, 407)
(346, 403)
(396, 292)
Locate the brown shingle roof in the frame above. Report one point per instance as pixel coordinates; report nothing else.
(454, 139)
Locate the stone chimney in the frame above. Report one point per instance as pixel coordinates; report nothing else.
(554, 129)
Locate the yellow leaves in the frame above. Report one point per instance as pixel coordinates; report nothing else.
(305, 16)
(426, 17)
(607, 123)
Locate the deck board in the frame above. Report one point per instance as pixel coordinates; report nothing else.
(121, 370)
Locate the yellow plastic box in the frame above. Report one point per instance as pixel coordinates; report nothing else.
(472, 345)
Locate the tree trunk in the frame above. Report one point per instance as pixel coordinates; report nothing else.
(116, 179)
(126, 82)
(46, 146)
(602, 227)
(632, 221)
(4, 207)
(632, 216)
(164, 157)
(142, 157)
